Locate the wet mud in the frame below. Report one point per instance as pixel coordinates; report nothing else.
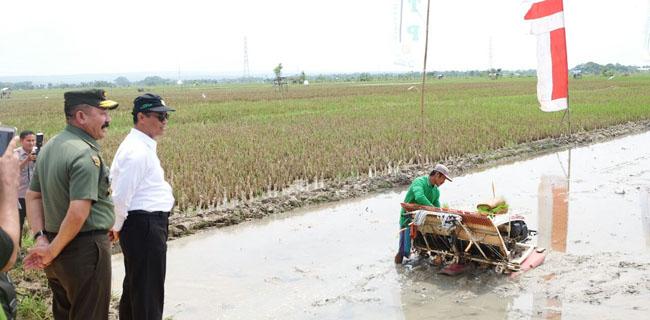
(335, 260)
(182, 224)
(324, 250)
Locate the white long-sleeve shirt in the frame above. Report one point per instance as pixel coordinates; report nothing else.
(138, 180)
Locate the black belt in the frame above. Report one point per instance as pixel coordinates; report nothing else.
(80, 234)
(148, 213)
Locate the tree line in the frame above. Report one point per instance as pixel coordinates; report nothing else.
(589, 68)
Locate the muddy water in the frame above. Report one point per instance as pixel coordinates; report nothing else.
(590, 206)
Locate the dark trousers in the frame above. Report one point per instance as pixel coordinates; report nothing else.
(143, 239)
(80, 279)
(22, 212)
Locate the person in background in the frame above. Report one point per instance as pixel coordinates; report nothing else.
(27, 158)
(425, 191)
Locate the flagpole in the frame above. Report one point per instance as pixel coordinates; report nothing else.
(568, 179)
(568, 106)
(424, 77)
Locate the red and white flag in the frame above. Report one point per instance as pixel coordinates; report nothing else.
(547, 22)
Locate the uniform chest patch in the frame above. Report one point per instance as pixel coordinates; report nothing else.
(96, 160)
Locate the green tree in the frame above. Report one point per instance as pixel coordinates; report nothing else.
(365, 77)
(278, 71)
(608, 72)
(154, 81)
(122, 81)
(303, 77)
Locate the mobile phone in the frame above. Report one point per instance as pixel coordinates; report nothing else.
(6, 134)
(39, 140)
(39, 144)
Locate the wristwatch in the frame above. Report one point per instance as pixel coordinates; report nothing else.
(39, 233)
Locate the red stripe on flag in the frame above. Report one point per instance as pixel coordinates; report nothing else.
(560, 67)
(544, 9)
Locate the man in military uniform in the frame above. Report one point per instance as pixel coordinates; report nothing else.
(70, 210)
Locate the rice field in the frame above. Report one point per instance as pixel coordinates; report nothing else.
(241, 141)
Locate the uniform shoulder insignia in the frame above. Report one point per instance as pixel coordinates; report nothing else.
(96, 160)
(94, 147)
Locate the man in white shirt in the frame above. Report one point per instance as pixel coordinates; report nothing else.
(143, 201)
(27, 159)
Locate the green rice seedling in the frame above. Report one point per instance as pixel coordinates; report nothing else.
(245, 139)
(496, 210)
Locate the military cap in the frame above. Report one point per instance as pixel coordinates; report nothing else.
(91, 97)
(150, 102)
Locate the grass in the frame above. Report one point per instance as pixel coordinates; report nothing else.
(33, 301)
(33, 307)
(27, 238)
(244, 140)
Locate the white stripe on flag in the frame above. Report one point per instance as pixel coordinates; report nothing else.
(553, 105)
(544, 67)
(545, 76)
(547, 24)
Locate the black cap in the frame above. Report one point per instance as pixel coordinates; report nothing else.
(149, 102)
(91, 97)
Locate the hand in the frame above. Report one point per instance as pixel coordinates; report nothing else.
(40, 256)
(113, 235)
(9, 168)
(32, 156)
(35, 261)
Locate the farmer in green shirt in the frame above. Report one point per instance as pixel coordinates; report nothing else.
(70, 210)
(423, 191)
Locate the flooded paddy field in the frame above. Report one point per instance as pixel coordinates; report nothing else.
(590, 206)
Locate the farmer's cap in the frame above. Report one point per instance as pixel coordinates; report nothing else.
(149, 102)
(91, 97)
(443, 170)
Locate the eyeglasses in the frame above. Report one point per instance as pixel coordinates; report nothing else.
(160, 115)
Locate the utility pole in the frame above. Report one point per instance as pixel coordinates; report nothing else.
(247, 73)
(424, 77)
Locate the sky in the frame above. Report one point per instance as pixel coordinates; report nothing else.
(121, 36)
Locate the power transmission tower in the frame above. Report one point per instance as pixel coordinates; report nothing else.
(247, 73)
